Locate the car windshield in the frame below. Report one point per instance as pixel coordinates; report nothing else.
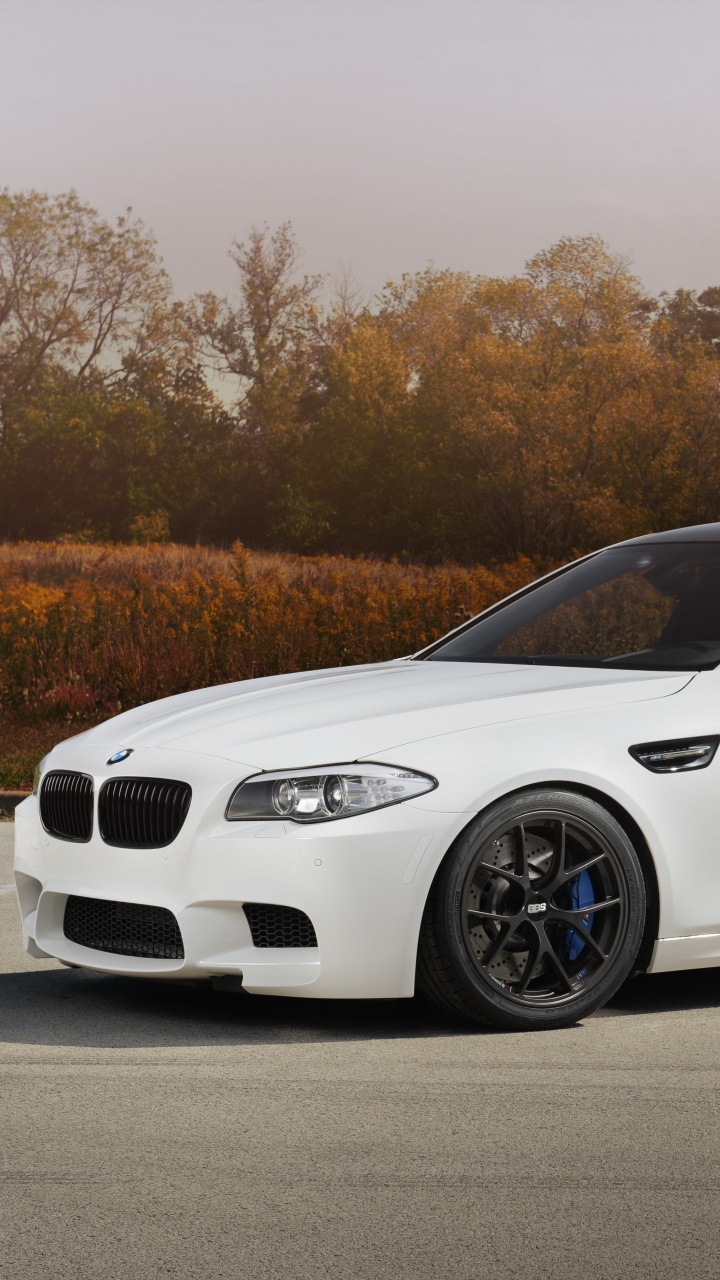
(654, 606)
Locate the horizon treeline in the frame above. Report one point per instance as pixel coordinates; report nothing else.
(454, 417)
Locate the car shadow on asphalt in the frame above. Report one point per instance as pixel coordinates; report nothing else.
(666, 993)
(77, 1008)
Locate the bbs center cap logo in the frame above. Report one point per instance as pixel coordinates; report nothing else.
(535, 908)
(120, 755)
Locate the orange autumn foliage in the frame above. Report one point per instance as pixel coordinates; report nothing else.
(89, 630)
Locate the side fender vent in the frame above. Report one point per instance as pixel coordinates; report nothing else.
(678, 756)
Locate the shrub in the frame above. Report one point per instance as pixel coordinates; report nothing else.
(87, 629)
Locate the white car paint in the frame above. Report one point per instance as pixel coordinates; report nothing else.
(482, 730)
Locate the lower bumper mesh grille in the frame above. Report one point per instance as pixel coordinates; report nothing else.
(273, 926)
(123, 928)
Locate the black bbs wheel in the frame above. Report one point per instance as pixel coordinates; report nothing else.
(537, 915)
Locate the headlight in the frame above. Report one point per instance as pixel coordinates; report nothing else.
(320, 795)
(38, 774)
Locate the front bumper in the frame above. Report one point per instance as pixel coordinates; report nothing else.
(362, 881)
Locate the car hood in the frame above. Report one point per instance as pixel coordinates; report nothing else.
(351, 713)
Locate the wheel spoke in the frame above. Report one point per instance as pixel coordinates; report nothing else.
(561, 847)
(488, 915)
(501, 871)
(590, 910)
(497, 946)
(582, 932)
(571, 872)
(557, 964)
(534, 957)
(521, 854)
(559, 856)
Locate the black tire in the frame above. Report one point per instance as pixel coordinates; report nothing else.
(546, 880)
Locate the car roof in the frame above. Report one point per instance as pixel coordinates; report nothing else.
(693, 533)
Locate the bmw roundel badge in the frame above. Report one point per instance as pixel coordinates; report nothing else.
(120, 755)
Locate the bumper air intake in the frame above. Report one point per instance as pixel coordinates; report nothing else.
(279, 926)
(123, 928)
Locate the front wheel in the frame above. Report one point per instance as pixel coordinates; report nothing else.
(536, 916)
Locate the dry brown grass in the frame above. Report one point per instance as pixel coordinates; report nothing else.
(106, 564)
(117, 564)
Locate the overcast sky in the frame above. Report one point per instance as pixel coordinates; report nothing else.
(392, 133)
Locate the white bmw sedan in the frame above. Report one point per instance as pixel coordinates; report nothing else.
(512, 821)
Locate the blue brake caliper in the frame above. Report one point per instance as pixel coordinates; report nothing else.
(581, 895)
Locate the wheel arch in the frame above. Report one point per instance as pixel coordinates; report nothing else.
(637, 838)
(632, 830)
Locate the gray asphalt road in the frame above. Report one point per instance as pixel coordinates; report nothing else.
(149, 1131)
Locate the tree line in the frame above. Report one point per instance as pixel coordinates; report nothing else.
(454, 417)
